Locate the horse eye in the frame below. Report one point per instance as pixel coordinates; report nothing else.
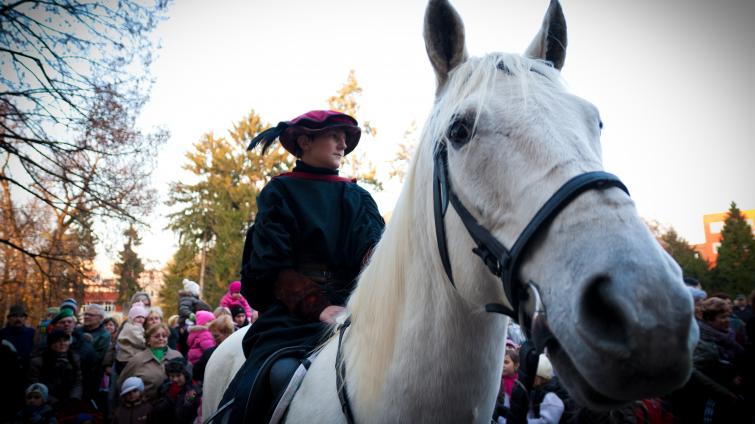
(600, 124)
(459, 133)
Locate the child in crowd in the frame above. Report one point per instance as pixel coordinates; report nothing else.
(221, 327)
(510, 375)
(36, 411)
(131, 337)
(200, 337)
(233, 297)
(132, 408)
(189, 301)
(179, 398)
(239, 316)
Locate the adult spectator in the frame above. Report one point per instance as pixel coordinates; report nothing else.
(94, 328)
(94, 316)
(148, 364)
(81, 345)
(111, 325)
(742, 309)
(14, 378)
(58, 368)
(154, 316)
(174, 335)
(17, 333)
(141, 297)
(712, 390)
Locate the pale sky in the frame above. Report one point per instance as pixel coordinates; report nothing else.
(671, 79)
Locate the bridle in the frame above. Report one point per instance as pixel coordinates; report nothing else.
(505, 263)
(502, 262)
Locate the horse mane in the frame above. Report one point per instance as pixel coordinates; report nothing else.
(379, 301)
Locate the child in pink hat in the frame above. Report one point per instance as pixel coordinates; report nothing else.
(233, 297)
(200, 337)
(131, 338)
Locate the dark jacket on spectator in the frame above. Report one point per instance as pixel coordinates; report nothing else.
(91, 364)
(173, 408)
(22, 339)
(39, 415)
(189, 304)
(60, 372)
(133, 413)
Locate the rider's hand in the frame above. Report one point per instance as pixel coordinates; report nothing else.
(329, 314)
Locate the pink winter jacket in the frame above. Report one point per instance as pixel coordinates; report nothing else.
(229, 301)
(200, 339)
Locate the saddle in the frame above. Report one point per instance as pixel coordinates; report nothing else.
(252, 398)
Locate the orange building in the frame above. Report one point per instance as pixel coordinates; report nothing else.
(714, 223)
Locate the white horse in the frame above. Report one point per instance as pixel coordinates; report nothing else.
(421, 350)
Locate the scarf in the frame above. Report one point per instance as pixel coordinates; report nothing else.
(159, 352)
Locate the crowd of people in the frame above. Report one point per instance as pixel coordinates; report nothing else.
(721, 388)
(148, 369)
(84, 366)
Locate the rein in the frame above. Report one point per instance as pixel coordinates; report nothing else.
(504, 263)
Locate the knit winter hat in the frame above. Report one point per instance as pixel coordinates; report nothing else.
(203, 317)
(64, 313)
(178, 365)
(131, 384)
(137, 310)
(235, 287)
(38, 388)
(191, 287)
(237, 310)
(69, 303)
(544, 367)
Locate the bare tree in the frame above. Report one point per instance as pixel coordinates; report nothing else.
(74, 78)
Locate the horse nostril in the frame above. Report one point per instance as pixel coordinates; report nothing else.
(602, 317)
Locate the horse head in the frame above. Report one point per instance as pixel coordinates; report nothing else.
(621, 320)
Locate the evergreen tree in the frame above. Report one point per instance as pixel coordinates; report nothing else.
(689, 260)
(217, 210)
(184, 264)
(735, 267)
(128, 269)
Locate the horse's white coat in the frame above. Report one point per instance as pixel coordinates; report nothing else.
(420, 351)
(227, 358)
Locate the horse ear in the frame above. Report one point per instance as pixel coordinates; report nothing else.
(550, 41)
(444, 39)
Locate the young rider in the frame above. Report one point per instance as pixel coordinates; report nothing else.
(313, 233)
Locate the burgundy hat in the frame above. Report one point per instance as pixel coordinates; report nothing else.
(311, 122)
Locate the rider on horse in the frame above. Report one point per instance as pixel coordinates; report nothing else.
(313, 233)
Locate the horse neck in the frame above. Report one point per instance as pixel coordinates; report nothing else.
(410, 325)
